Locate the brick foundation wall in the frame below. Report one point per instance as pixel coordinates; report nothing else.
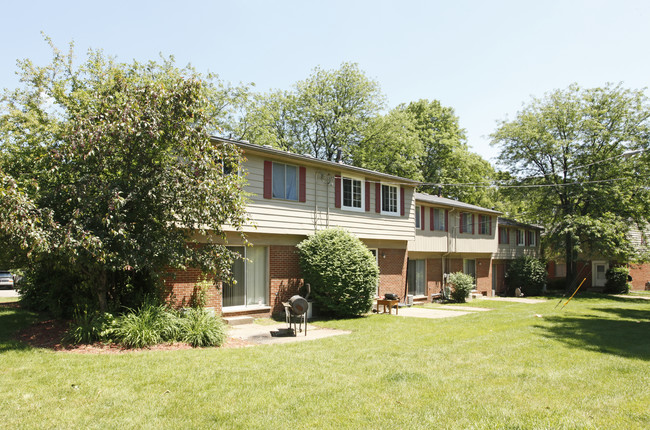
(392, 271)
(484, 276)
(434, 276)
(284, 275)
(179, 287)
(640, 274)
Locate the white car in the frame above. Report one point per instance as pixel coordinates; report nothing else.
(6, 280)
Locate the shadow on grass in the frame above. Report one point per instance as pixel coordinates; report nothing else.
(624, 334)
(13, 319)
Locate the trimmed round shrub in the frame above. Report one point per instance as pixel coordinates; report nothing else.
(462, 286)
(342, 272)
(527, 273)
(617, 280)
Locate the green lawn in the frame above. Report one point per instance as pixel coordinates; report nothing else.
(587, 366)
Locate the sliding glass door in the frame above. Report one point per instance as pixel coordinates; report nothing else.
(248, 284)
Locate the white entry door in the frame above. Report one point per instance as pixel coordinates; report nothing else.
(598, 270)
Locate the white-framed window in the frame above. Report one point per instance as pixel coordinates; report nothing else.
(439, 219)
(532, 238)
(418, 217)
(521, 238)
(389, 199)
(353, 194)
(285, 181)
(484, 224)
(466, 223)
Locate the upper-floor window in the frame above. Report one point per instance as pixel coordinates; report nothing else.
(439, 219)
(531, 238)
(418, 217)
(503, 235)
(285, 181)
(466, 222)
(521, 240)
(389, 194)
(484, 224)
(352, 194)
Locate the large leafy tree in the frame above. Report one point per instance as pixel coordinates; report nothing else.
(582, 153)
(330, 109)
(446, 158)
(108, 168)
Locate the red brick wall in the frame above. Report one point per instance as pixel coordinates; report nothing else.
(392, 271)
(434, 276)
(180, 285)
(484, 276)
(483, 272)
(284, 273)
(640, 274)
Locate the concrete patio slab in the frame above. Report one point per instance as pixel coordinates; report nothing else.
(259, 334)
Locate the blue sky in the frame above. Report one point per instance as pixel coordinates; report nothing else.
(483, 58)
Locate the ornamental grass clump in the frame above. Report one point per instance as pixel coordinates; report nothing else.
(342, 272)
(198, 327)
(88, 327)
(147, 326)
(463, 285)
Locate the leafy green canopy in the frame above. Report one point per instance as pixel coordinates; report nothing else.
(572, 147)
(109, 168)
(341, 270)
(526, 273)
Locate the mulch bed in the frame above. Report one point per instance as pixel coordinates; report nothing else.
(48, 334)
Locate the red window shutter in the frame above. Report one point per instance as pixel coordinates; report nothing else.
(337, 191)
(377, 197)
(527, 238)
(401, 201)
(508, 235)
(431, 226)
(367, 196)
(472, 223)
(268, 179)
(303, 184)
(499, 234)
(490, 224)
(422, 217)
(446, 219)
(462, 223)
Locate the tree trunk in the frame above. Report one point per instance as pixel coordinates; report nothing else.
(102, 290)
(569, 260)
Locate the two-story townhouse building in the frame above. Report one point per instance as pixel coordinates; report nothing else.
(515, 239)
(451, 236)
(291, 197)
(593, 268)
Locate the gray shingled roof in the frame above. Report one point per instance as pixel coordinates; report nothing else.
(443, 201)
(317, 161)
(513, 223)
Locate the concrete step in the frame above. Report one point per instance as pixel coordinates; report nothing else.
(239, 320)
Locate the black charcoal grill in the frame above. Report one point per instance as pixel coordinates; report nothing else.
(296, 312)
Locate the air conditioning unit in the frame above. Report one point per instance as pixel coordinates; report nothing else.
(409, 300)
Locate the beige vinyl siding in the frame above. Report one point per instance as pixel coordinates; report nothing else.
(510, 251)
(453, 241)
(291, 217)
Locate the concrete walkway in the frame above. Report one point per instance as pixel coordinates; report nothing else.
(9, 293)
(259, 334)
